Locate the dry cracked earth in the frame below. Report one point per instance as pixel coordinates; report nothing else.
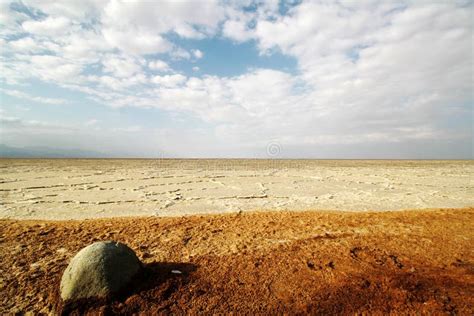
(79, 189)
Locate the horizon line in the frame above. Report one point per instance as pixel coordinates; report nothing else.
(225, 158)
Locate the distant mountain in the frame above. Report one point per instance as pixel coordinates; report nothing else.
(47, 152)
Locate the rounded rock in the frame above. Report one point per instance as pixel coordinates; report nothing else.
(99, 270)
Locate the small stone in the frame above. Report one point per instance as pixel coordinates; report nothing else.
(99, 270)
(61, 250)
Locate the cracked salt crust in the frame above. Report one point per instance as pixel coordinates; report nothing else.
(78, 189)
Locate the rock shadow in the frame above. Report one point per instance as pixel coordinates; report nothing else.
(165, 277)
(157, 273)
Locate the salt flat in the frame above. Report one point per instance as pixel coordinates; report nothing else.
(95, 188)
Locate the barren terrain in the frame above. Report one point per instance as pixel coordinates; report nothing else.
(312, 247)
(257, 263)
(94, 188)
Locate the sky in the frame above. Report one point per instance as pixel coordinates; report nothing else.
(244, 79)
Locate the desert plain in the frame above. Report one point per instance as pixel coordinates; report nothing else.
(94, 188)
(248, 236)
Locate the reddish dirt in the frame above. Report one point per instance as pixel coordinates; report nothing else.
(258, 263)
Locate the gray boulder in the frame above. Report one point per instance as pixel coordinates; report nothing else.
(99, 270)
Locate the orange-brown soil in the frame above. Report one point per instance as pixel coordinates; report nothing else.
(257, 263)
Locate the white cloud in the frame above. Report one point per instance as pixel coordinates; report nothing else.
(159, 65)
(179, 53)
(188, 19)
(25, 44)
(53, 68)
(197, 53)
(137, 27)
(237, 30)
(368, 64)
(121, 66)
(26, 96)
(116, 84)
(85, 46)
(138, 43)
(9, 120)
(169, 80)
(15, 124)
(85, 9)
(5, 14)
(51, 26)
(366, 72)
(8, 19)
(242, 100)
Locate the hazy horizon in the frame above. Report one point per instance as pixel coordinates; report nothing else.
(7, 152)
(250, 79)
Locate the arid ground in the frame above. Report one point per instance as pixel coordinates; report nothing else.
(94, 188)
(272, 261)
(269, 263)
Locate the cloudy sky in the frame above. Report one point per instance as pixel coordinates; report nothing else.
(358, 79)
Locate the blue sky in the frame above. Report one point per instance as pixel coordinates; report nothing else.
(235, 79)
